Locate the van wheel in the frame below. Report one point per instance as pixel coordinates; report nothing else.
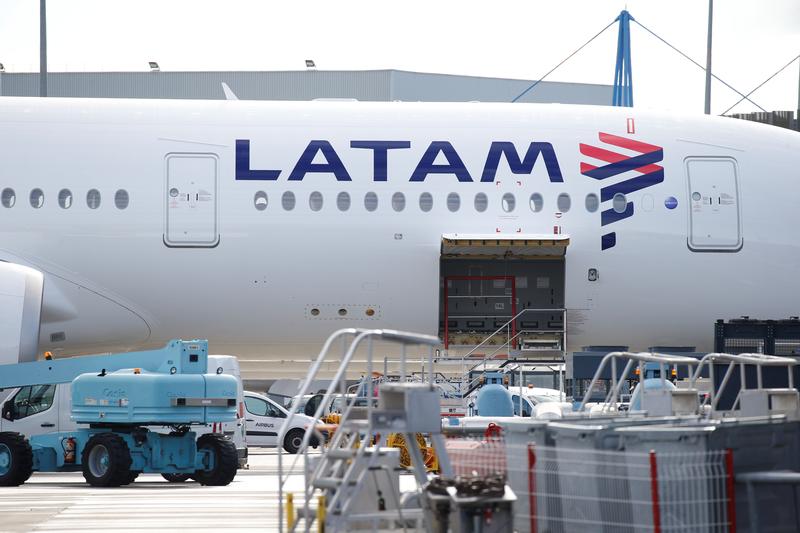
(16, 459)
(293, 440)
(176, 478)
(106, 461)
(226, 460)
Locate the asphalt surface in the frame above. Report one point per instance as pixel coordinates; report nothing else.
(64, 502)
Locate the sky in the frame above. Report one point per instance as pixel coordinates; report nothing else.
(499, 38)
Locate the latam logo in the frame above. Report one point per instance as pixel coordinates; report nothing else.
(617, 165)
(440, 157)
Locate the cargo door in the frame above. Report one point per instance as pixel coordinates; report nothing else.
(714, 215)
(190, 196)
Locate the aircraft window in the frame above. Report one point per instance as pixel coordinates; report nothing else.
(260, 200)
(619, 203)
(508, 202)
(481, 202)
(93, 198)
(343, 201)
(9, 198)
(121, 199)
(65, 198)
(564, 202)
(37, 198)
(536, 202)
(370, 201)
(426, 201)
(315, 201)
(453, 202)
(287, 200)
(398, 201)
(592, 203)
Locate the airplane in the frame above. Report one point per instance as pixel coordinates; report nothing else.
(264, 226)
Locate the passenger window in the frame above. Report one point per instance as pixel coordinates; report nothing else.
(453, 202)
(287, 200)
(370, 201)
(315, 201)
(121, 199)
(9, 197)
(398, 201)
(509, 202)
(33, 399)
(343, 201)
(619, 203)
(255, 406)
(65, 198)
(481, 202)
(260, 200)
(537, 202)
(425, 201)
(592, 202)
(93, 199)
(564, 202)
(37, 198)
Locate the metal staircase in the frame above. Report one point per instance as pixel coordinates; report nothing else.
(357, 447)
(514, 345)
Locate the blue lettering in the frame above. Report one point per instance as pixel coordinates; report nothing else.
(454, 163)
(243, 171)
(333, 165)
(524, 166)
(380, 155)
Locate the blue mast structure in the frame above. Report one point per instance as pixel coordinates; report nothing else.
(623, 77)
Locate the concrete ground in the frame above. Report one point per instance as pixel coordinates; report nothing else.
(64, 502)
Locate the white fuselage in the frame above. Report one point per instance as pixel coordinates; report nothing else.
(247, 279)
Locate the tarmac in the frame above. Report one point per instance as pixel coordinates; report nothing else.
(57, 502)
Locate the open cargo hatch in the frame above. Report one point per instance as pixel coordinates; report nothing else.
(507, 245)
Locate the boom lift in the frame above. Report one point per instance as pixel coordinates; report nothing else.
(164, 387)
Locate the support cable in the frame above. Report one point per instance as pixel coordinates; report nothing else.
(762, 84)
(744, 97)
(534, 84)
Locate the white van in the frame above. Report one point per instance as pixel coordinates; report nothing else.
(38, 409)
(265, 419)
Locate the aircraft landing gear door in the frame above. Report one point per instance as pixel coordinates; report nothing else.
(191, 200)
(714, 219)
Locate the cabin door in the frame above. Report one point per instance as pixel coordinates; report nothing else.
(190, 197)
(714, 213)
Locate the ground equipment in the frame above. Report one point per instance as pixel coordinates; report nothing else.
(168, 387)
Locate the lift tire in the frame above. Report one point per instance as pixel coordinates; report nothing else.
(16, 459)
(226, 460)
(293, 440)
(176, 478)
(106, 461)
(132, 477)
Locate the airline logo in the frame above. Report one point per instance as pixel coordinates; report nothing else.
(320, 157)
(624, 173)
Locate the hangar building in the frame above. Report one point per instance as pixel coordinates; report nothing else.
(367, 85)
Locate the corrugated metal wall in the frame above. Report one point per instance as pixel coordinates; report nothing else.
(370, 85)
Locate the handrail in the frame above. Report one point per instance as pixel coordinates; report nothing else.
(742, 359)
(359, 334)
(640, 357)
(465, 372)
(512, 319)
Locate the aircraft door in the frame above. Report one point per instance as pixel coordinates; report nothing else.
(191, 200)
(714, 218)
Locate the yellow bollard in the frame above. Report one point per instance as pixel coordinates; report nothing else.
(321, 514)
(289, 511)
